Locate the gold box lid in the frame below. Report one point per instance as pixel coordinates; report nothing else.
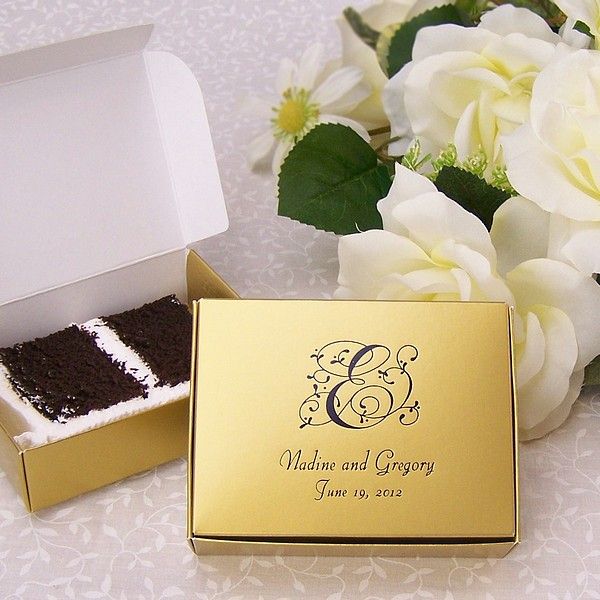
(352, 421)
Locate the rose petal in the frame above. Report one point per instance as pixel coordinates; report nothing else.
(406, 185)
(506, 20)
(433, 218)
(546, 391)
(564, 80)
(433, 41)
(434, 280)
(582, 248)
(367, 258)
(489, 287)
(519, 232)
(466, 139)
(545, 282)
(559, 414)
(540, 176)
(532, 353)
(392, 98)
(427, 118)
(464, 283)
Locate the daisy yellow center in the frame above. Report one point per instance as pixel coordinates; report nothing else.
(291, 117)
(295, 115)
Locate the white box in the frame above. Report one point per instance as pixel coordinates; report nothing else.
(108, 175)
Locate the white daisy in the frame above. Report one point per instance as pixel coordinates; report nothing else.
(308, 93)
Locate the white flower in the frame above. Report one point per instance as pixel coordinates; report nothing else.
(470, 86)
(309, 93)
(355, 52)
(557, 333)
(554, 158)
(432, 249)
(586, 11)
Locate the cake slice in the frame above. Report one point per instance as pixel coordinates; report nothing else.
(91, 374)
(152, 343)
(161, 333)
(58, 380)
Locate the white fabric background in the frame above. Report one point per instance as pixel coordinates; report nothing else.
(127, 541)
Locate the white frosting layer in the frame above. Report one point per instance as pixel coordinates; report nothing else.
(35, 429)
(131, 362)
(51, 431)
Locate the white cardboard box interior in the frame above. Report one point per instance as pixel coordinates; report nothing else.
(109, 174)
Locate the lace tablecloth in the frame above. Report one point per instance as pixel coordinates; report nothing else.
(127, 541)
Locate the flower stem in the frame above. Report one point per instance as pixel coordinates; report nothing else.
(379, 130)
(387, 159)
(387, 143)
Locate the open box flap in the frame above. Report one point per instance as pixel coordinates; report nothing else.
(73, 53)
(106, 159)
(188, 146)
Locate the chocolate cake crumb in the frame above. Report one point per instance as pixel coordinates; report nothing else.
(65, 375)
(161, 333)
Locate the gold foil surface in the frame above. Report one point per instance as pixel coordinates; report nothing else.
(361, 421)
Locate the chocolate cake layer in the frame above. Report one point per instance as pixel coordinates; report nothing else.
(161, 333)
(66, 375)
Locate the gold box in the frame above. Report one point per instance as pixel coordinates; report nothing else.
(49, 474)
(352, 428)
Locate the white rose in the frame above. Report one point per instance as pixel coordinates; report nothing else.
(554, 158)
(356, 53)
(470, 86)
(432, 249)
(557, 333)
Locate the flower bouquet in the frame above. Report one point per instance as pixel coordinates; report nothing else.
(455, 148)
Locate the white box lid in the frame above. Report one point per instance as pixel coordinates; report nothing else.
(106, 160)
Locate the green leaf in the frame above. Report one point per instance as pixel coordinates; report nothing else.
(583, 28)
(471, 192)
(331, 179)
(592, 373)
(471, 10)
(395, 44)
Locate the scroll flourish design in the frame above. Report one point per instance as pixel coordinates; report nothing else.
(357, 386)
